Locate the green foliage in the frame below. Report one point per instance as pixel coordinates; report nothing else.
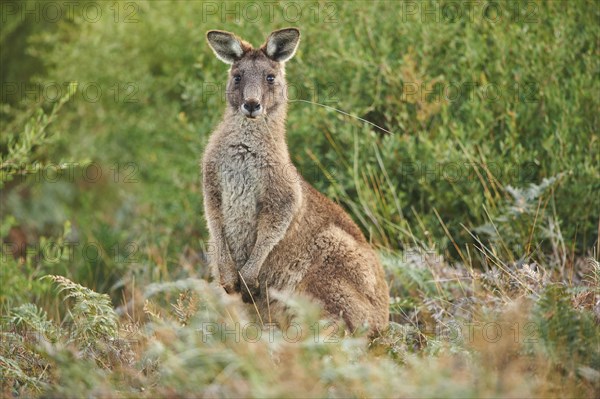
(509, 105)
(21, 146)
(482, 200)
(571, 337)
(25, 151)
(92, 314)
(205, 342)
(31, 318)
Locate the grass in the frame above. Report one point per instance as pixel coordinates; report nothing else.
(458, 333)
(482, 202)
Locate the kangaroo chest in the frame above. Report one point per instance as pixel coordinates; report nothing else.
(240, 182)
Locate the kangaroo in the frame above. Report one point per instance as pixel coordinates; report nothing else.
(270, 230)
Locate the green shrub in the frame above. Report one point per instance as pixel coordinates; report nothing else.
(482, 199)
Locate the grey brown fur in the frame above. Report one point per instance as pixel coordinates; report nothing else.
(267, 225)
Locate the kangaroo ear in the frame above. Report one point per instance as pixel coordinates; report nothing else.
(281, 44)
(227, 46)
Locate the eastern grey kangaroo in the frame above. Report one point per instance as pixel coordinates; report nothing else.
(269, 228)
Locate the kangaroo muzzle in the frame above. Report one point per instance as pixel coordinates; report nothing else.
(251, 108)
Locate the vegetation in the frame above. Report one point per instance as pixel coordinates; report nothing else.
(482, 198)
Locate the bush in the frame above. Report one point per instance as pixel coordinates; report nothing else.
(469, 158)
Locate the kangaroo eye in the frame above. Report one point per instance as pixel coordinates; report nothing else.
(270, 78)
(237, 78)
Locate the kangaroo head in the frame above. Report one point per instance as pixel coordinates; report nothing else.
(256, 82)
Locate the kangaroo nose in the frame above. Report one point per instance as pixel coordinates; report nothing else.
(251, 105)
